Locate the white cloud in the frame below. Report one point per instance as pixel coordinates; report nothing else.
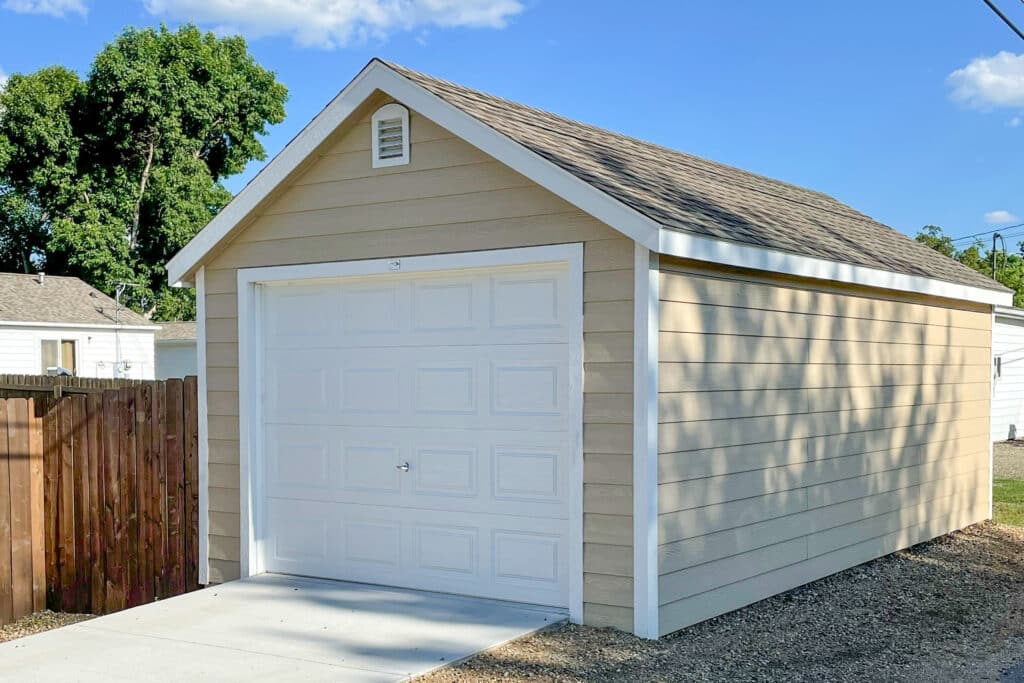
(334, 23)
(56, 8)
(1000, 217)
(990, 82)
(1014, 122)
(3, 79)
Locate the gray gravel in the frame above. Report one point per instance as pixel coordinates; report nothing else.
(948, 610)
(38, 622)
(1008, 460)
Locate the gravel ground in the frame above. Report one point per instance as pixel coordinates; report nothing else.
(1008, 458)
(948, 610)
(39, 622)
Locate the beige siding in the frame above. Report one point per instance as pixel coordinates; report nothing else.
(806, 429)
(451, 198)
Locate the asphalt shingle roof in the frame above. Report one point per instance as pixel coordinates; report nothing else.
(179, 330)
(24, 298)
(694, 195)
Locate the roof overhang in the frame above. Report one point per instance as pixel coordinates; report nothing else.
(1009, 312)
(377, 76)
(79, 326)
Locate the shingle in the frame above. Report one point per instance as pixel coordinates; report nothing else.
(179, 330)
(29, 298)
(697, 196)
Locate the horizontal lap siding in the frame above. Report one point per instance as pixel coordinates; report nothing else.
(805, 430)
(451, 198)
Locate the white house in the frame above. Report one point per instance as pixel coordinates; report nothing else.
(1007, 373)
(176, 349)
(48, 323)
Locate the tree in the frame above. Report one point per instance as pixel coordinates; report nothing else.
(1010, 266)
(106, 178)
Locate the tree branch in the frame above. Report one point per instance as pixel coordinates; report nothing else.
(134, 234)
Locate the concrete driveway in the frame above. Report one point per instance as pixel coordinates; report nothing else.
(274, 628)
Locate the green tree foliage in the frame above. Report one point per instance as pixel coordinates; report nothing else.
(1009, 265)
(108, 177)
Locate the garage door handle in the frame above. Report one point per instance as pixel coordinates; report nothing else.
(404, 467)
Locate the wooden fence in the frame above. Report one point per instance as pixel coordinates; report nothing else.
(22, 561)
(119, 493)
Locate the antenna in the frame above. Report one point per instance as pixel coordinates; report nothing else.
(119, 289)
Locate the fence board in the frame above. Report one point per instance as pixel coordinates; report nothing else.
(175, 486)
(191, 482)
(21, 513)
(97, 579)
(112, 515)
(51, 474)
(80, 473)
(36, 508)
(158, 426)
(6, 576)
(66, 506)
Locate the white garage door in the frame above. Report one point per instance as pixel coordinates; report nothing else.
(418, 430)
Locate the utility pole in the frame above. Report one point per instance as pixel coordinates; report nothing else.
(996, 236)
(119, 290)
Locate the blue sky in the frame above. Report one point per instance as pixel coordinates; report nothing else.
(911, 111)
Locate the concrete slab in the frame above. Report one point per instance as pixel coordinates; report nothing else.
(275, 628)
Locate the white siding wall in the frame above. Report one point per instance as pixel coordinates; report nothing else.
(175, 359)
(97, 350)
(1008, 394)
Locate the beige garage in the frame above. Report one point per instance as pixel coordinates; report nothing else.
(453, 343)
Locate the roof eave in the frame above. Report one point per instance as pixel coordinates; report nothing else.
(699, 248)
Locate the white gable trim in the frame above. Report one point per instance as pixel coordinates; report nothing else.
(685, 245)
(80, 326)
(377, 76)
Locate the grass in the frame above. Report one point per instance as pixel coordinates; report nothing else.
(1008, 495)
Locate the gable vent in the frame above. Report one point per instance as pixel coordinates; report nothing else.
(390, 126)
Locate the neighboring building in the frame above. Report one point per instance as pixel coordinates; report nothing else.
(453, 343)
(1008, 374)
(54, 324)
(176, 349)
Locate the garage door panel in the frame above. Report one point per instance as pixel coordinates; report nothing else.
(420, 432)
(497, 386)
(504, 557)
(491, 472)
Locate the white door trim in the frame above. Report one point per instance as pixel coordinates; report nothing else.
(250, 385)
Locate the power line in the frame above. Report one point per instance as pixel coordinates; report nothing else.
(987, 232)
(1006, 19)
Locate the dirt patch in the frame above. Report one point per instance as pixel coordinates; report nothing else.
(950, 609)
(39, 622)
(1008, 459)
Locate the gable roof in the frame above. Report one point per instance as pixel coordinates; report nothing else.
(668, 201)
(55, 300)
(179, 330)
(695, 195)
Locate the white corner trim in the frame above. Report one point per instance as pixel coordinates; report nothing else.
(250, 286)
(386, 113)
(991, 399)
(685, 245)
(645, 442)
(377, 76)
(204, 430)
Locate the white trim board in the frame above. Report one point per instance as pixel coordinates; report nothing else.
(81, 326)
(250, 283)
(1009, 312)
(646, 318)
(685, 245)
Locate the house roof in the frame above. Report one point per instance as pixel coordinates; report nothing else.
(180, 330)
(695, 195)
(55, 300)
(667, 201)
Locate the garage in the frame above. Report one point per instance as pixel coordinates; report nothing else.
(418, 426)
(1007, 373)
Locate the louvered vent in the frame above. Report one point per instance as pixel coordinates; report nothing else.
(390, 130)
(390, 138)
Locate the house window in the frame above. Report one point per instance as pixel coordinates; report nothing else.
(57, 355)
(390, 125)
